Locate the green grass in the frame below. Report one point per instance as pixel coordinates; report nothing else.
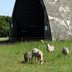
(4, 38)
(11, 57)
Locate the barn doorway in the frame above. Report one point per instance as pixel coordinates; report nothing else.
(28, 20)
(31, 22)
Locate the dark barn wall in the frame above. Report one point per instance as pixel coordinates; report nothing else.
(28, 20)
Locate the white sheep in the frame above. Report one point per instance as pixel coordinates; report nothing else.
(65, 51)
(50, 47)
(37, 54)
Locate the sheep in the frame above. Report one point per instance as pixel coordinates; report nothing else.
(37, 54)
(27, 57)
(49, 47)
(65, 51)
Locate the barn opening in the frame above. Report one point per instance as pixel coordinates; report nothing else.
(28, 20)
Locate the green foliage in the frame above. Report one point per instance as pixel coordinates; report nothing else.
(4, 25)
(11, 57)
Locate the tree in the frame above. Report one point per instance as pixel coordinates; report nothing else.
(4, 25)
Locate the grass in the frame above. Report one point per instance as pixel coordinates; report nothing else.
(11, 57)
(4, 38)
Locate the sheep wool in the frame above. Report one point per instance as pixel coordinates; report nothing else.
(65, 51)
(27, 56)
(38, 54)
(50, 48)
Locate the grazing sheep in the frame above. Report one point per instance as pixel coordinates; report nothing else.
(49, 47)
(65, 51)
(27, 56)
(37, 54)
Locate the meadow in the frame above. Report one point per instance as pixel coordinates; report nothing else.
(11, 57)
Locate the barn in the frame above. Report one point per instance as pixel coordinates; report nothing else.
(41, 19)
(28, 21)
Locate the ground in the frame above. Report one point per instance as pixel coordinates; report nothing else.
(11, 57)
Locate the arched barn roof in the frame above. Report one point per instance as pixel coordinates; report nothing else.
(56, 14)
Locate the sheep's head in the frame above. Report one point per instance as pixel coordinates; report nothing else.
(41, 61)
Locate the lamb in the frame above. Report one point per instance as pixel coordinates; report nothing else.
(65, 51)
(49, 47)
(27, 57)
(37, 54)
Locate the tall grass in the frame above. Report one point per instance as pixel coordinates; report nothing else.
(11, 57)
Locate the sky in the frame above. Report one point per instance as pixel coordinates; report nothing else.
(6, 7)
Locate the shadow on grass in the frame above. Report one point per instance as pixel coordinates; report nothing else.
(6, 42)
(23, 62)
